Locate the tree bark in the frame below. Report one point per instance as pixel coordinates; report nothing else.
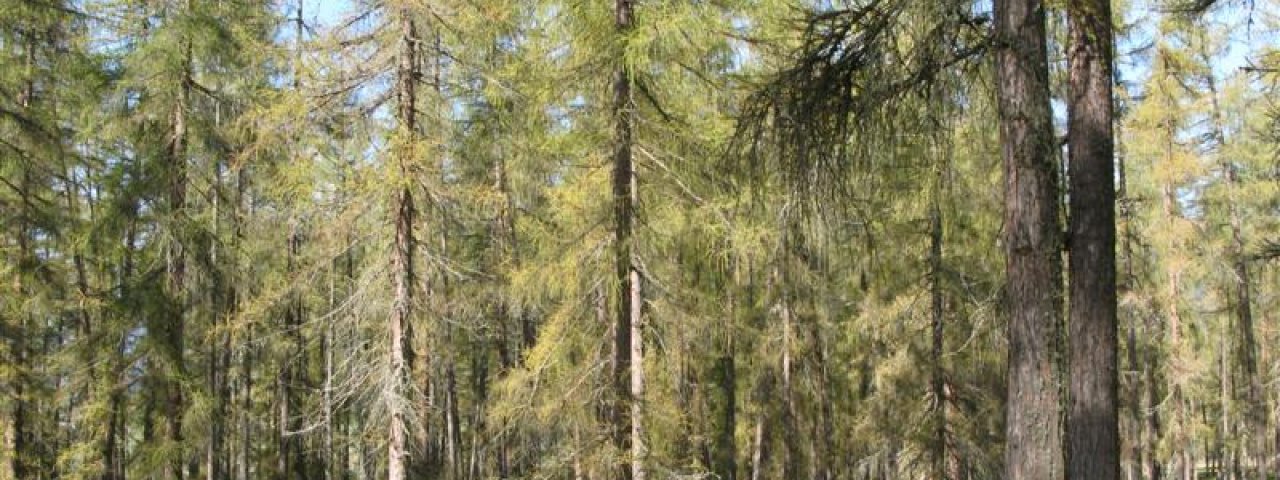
(401, 351)
(1032, 242)
(791, 458)
(1093, 435)
(222, 298)
(936, 302)
(1152, 467)
(175, 286)
(628, 375)
(725, 461)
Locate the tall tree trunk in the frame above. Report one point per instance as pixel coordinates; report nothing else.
(290, 461)
(1032, 242)
(1125, 285)
(1181, 464)
(759, 441)
(401, 351)
(1276, 442)
(821, 454)
(1253, 413)
(23, 457)
(327, 405)
(791, 459)
(725, 461)
(1152, 467)
(222, 299)
(628, 375)
(504, 238)
(1093, 429)
(174, 329)
(112, 454)
(1222, 451)
(246, 408)
(936, 302)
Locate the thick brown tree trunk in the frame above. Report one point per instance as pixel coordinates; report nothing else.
(1032, 242)
(1093, 435)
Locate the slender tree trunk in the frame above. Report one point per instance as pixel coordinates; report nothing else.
(327, 395)
(1032, 242)
(1125, 285)
(820, 461)
(759, 448)
(288, 450)
(1181, 464)
(246, 407)
(327, 401)
(628, 375)
(112, 446)
(453, 423)
(504, 237)
(174, 330)
(290, 461)
(223, 300)
(1151, 465)
(1093, 434)
(1276, 442)
(726, 461)
(84, 320)
(791, 460)
(23, 457)
(1222, 451)
(936, 302)
(1253, 413)
(401, 351)
(345, 430)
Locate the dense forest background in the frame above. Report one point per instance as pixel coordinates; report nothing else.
(674, 239)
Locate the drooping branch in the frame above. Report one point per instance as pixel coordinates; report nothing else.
(838, 103)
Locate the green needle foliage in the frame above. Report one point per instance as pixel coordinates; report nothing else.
(388, 239)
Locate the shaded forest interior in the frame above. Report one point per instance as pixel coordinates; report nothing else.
(639, 239)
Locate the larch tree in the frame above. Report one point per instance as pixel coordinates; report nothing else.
(1032, 242)
(642, 238)
(1092, 424)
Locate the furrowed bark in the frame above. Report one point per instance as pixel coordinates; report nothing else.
(1093, 435)
(1032, 242)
